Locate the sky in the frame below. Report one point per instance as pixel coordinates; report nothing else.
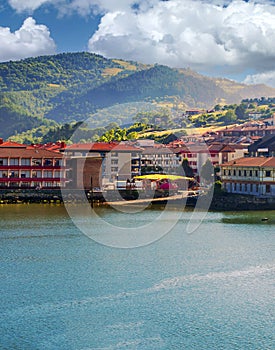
(221, 38)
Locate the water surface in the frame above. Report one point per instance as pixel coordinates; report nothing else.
(213, 289)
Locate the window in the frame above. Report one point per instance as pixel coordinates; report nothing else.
(48, 162)
(267, 189)
(267, 173)
(25, 161)
(14, 161)
(114, 161)
(250, 172)
(25, 174)
(114, 169)
(3, 161)
(240, 173)
(256, 173)
(244, 173)
(37, 162)
(36, 174)
(48, 174)
(14, 174)
(234, 172)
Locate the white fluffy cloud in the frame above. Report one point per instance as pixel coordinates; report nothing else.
(204, 35)
(211, 36)
(267, 78)
(30, 40)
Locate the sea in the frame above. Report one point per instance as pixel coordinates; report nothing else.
(208, 288)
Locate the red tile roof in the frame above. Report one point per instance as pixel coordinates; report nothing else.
(103, 147)
(13, 144)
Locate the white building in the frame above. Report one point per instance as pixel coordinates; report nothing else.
(250, 175)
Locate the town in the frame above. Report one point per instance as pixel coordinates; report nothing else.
(242, 162)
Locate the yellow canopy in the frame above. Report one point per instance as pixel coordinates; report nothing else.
(162, 177)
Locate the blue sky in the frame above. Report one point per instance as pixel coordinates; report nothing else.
(227, 38)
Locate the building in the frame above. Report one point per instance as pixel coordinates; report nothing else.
(250, 176)
(159, 157)
(98, 163)
(264, 147)
(23, 166)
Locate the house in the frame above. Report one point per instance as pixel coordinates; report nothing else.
(23, 166)
(250, 175)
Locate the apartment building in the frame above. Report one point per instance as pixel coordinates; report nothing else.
(95, 164)
(23, 166)
(250, 175)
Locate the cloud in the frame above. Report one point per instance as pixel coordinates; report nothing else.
(83, 7)
(28, 5)
(201, 34)
(267, 78)
(30, 40)
(210, 36)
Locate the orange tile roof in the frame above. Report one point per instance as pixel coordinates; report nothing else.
(252, 161)
(27, 152)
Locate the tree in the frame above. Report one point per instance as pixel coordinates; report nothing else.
(240, 111)
(207, 172)
(229, 117)
(186, 168)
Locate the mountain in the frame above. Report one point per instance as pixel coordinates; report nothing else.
(73, 86)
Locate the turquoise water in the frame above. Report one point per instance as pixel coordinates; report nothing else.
(212, 289)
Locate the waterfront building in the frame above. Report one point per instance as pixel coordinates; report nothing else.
(96, 164)
(250, 176)
(23, 166)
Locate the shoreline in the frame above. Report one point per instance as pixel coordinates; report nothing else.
(221, 201)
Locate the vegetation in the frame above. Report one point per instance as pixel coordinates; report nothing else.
(71, 87)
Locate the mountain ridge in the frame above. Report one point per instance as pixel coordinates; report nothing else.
(73, 86)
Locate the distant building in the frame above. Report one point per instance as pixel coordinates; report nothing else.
(264, 147)
(23, 166)
(251, 176)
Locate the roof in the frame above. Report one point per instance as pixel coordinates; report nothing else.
(103, 147)
(13, 144)
(252, 161)
(267, 141)
(27, 152)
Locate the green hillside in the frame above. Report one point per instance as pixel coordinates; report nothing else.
(38, 92)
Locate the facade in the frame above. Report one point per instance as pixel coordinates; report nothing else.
(23, 166)
(250, 175)
(161, 157)
(95, 164)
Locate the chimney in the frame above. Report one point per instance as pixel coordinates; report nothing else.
(1, 141)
